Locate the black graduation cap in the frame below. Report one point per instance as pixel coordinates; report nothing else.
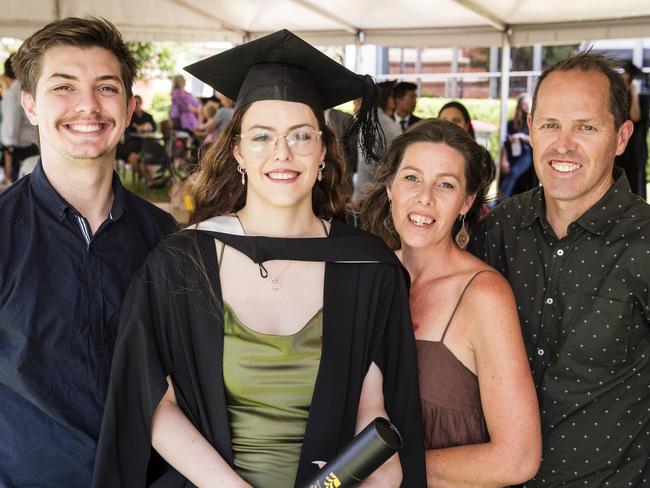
(282, 66)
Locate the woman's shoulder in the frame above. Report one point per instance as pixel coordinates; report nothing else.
(480, 282)
(486, 291)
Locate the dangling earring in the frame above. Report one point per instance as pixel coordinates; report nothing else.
(321, 167)
(242, 172)
(462, 237)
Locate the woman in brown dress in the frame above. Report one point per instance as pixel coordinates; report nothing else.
(480, 413)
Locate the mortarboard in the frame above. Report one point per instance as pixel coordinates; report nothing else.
(282, 66)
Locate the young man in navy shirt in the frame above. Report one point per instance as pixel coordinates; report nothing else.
(75, 236)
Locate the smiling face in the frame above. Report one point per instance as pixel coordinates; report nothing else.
(428, 194)
(280, 178)
(574, 139)
(80, 105)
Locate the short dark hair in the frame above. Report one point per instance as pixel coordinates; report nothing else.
(78, 32)
(479, 173)
(402, 87)
(9, 70)
(586, 61)
(463, 110)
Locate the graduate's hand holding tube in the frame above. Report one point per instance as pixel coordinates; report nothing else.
(371, 448)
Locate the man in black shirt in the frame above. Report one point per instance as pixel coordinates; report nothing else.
(577, 254)
(75, 236)
(142, 123)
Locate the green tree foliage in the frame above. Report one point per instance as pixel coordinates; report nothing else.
(154, 58)
(163, 59)
(551, 54)
(160, 103)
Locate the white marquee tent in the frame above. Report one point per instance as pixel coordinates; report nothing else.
(412, 23)
(389, 22)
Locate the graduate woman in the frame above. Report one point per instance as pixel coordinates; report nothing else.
(479, 408)
(261, 339)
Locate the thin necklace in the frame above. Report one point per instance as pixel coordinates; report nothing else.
(276, 279)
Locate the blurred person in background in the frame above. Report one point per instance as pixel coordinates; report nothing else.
(216, 122)
(456, 113)
(517, 172)
(405, 96)
(185, 108)
(635, 157)
(17, 135)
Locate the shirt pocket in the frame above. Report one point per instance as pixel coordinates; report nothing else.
(598, 330)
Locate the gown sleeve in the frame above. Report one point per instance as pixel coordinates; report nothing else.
(138, 382)
(396, 355)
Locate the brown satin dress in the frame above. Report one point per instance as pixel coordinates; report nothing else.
(449, 391)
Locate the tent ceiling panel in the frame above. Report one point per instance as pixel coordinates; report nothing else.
(467, 37)
(516, 12)
(369, 15)
(581, 31)
(399, 23)
(271, 15)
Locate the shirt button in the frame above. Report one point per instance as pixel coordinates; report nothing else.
(549, 301)
(560, 252)
(540, 352)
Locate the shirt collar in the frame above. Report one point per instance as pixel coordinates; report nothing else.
(599, 217)
(610, 207)
(534, 208)
(57, 204)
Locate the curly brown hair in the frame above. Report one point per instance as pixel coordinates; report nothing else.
(479, 173)
(218, 189)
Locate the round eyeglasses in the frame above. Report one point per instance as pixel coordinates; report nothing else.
(262, 142)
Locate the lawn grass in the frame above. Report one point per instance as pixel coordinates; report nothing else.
(140, 188)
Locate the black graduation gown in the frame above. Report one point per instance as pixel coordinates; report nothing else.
(173, 325)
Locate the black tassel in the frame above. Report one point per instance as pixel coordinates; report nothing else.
(366, 124)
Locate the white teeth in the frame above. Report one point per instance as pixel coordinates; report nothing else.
(420, 219)
(85, 127)
(564, 167)
(283, 175)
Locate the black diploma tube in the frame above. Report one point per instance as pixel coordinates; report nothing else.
(360, 458)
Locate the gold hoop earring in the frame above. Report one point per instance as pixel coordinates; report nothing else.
(242, 172)
(462, 237)
(321, 167)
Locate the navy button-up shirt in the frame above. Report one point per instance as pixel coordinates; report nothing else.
(61, 288)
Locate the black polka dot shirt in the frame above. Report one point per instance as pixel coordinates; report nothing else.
(584, 309)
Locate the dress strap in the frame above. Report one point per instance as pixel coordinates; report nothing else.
(458, 303)
(324, 226)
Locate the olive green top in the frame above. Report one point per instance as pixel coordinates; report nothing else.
(269, 381)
